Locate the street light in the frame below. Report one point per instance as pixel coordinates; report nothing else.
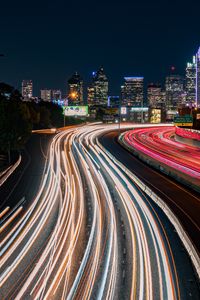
(119, 114)
(63, 117)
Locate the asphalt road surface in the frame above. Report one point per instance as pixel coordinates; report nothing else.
(183, 202)
(89, 232)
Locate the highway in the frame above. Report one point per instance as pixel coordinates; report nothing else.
(158, 143)
(183, 202)
(91, 233)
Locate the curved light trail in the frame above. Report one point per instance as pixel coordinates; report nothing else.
(87, 218)
(158, 144)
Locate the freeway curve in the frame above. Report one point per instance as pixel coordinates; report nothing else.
(184, 202)
(159, 145)
(91, 233)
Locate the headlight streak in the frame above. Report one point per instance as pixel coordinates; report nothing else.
(75, 153)
(168, 273)
(4, 211)
(112, 237)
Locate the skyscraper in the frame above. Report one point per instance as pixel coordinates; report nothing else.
(98, 90)
(174, 86)
(155, 96)
(90, 91)
(191, 82)
(198, 78)
(75, 90)
(27, 89)
(132, 93)
(113, 101)
(46, 95)
(56, 95)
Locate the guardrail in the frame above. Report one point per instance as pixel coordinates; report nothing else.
(168, 212)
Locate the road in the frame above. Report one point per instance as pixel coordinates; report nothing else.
(184, 202)
(158, 143)
(91, 233)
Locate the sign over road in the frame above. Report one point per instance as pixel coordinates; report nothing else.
(186, 120)
(72, 111)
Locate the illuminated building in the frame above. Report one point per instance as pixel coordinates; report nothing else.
(46, 95)
(155, 96)
(90, 95)
(98, 90)
(132, 91)
(75, 90)
(27, 89)
(155, 116)
(90, 91)
(56, 95)
(174, 86)
(113, 101)
(198, 78)
(191, 82)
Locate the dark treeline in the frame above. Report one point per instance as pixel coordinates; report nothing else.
(18, 118)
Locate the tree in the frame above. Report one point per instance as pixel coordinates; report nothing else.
(44, 117)
(15, 122)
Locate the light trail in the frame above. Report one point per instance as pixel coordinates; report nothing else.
(157, 143)
(76, 203)
(4, 211)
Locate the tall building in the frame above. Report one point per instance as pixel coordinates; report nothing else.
(46, 95)
(198, 78)
(156, 97)
(98, 90)
(113, 101)
(191, 82)
(75, 90)
(90, 91)
(56, 95)
(174, 86)
(27, 89)
(132, 92)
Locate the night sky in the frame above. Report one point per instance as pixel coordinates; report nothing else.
(48, 40)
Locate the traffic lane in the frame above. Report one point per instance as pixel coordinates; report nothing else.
(124, 245)
(178, 256)
(173, 194)
(25, 181)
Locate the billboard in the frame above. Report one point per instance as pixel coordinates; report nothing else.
(139, 109)
(155, 116)
(123, 110)
(72, 111)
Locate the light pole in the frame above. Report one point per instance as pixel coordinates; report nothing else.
(119, 115)
(142, 114)
(63, 117)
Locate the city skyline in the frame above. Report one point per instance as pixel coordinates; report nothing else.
(177, 89)
(87, 83)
